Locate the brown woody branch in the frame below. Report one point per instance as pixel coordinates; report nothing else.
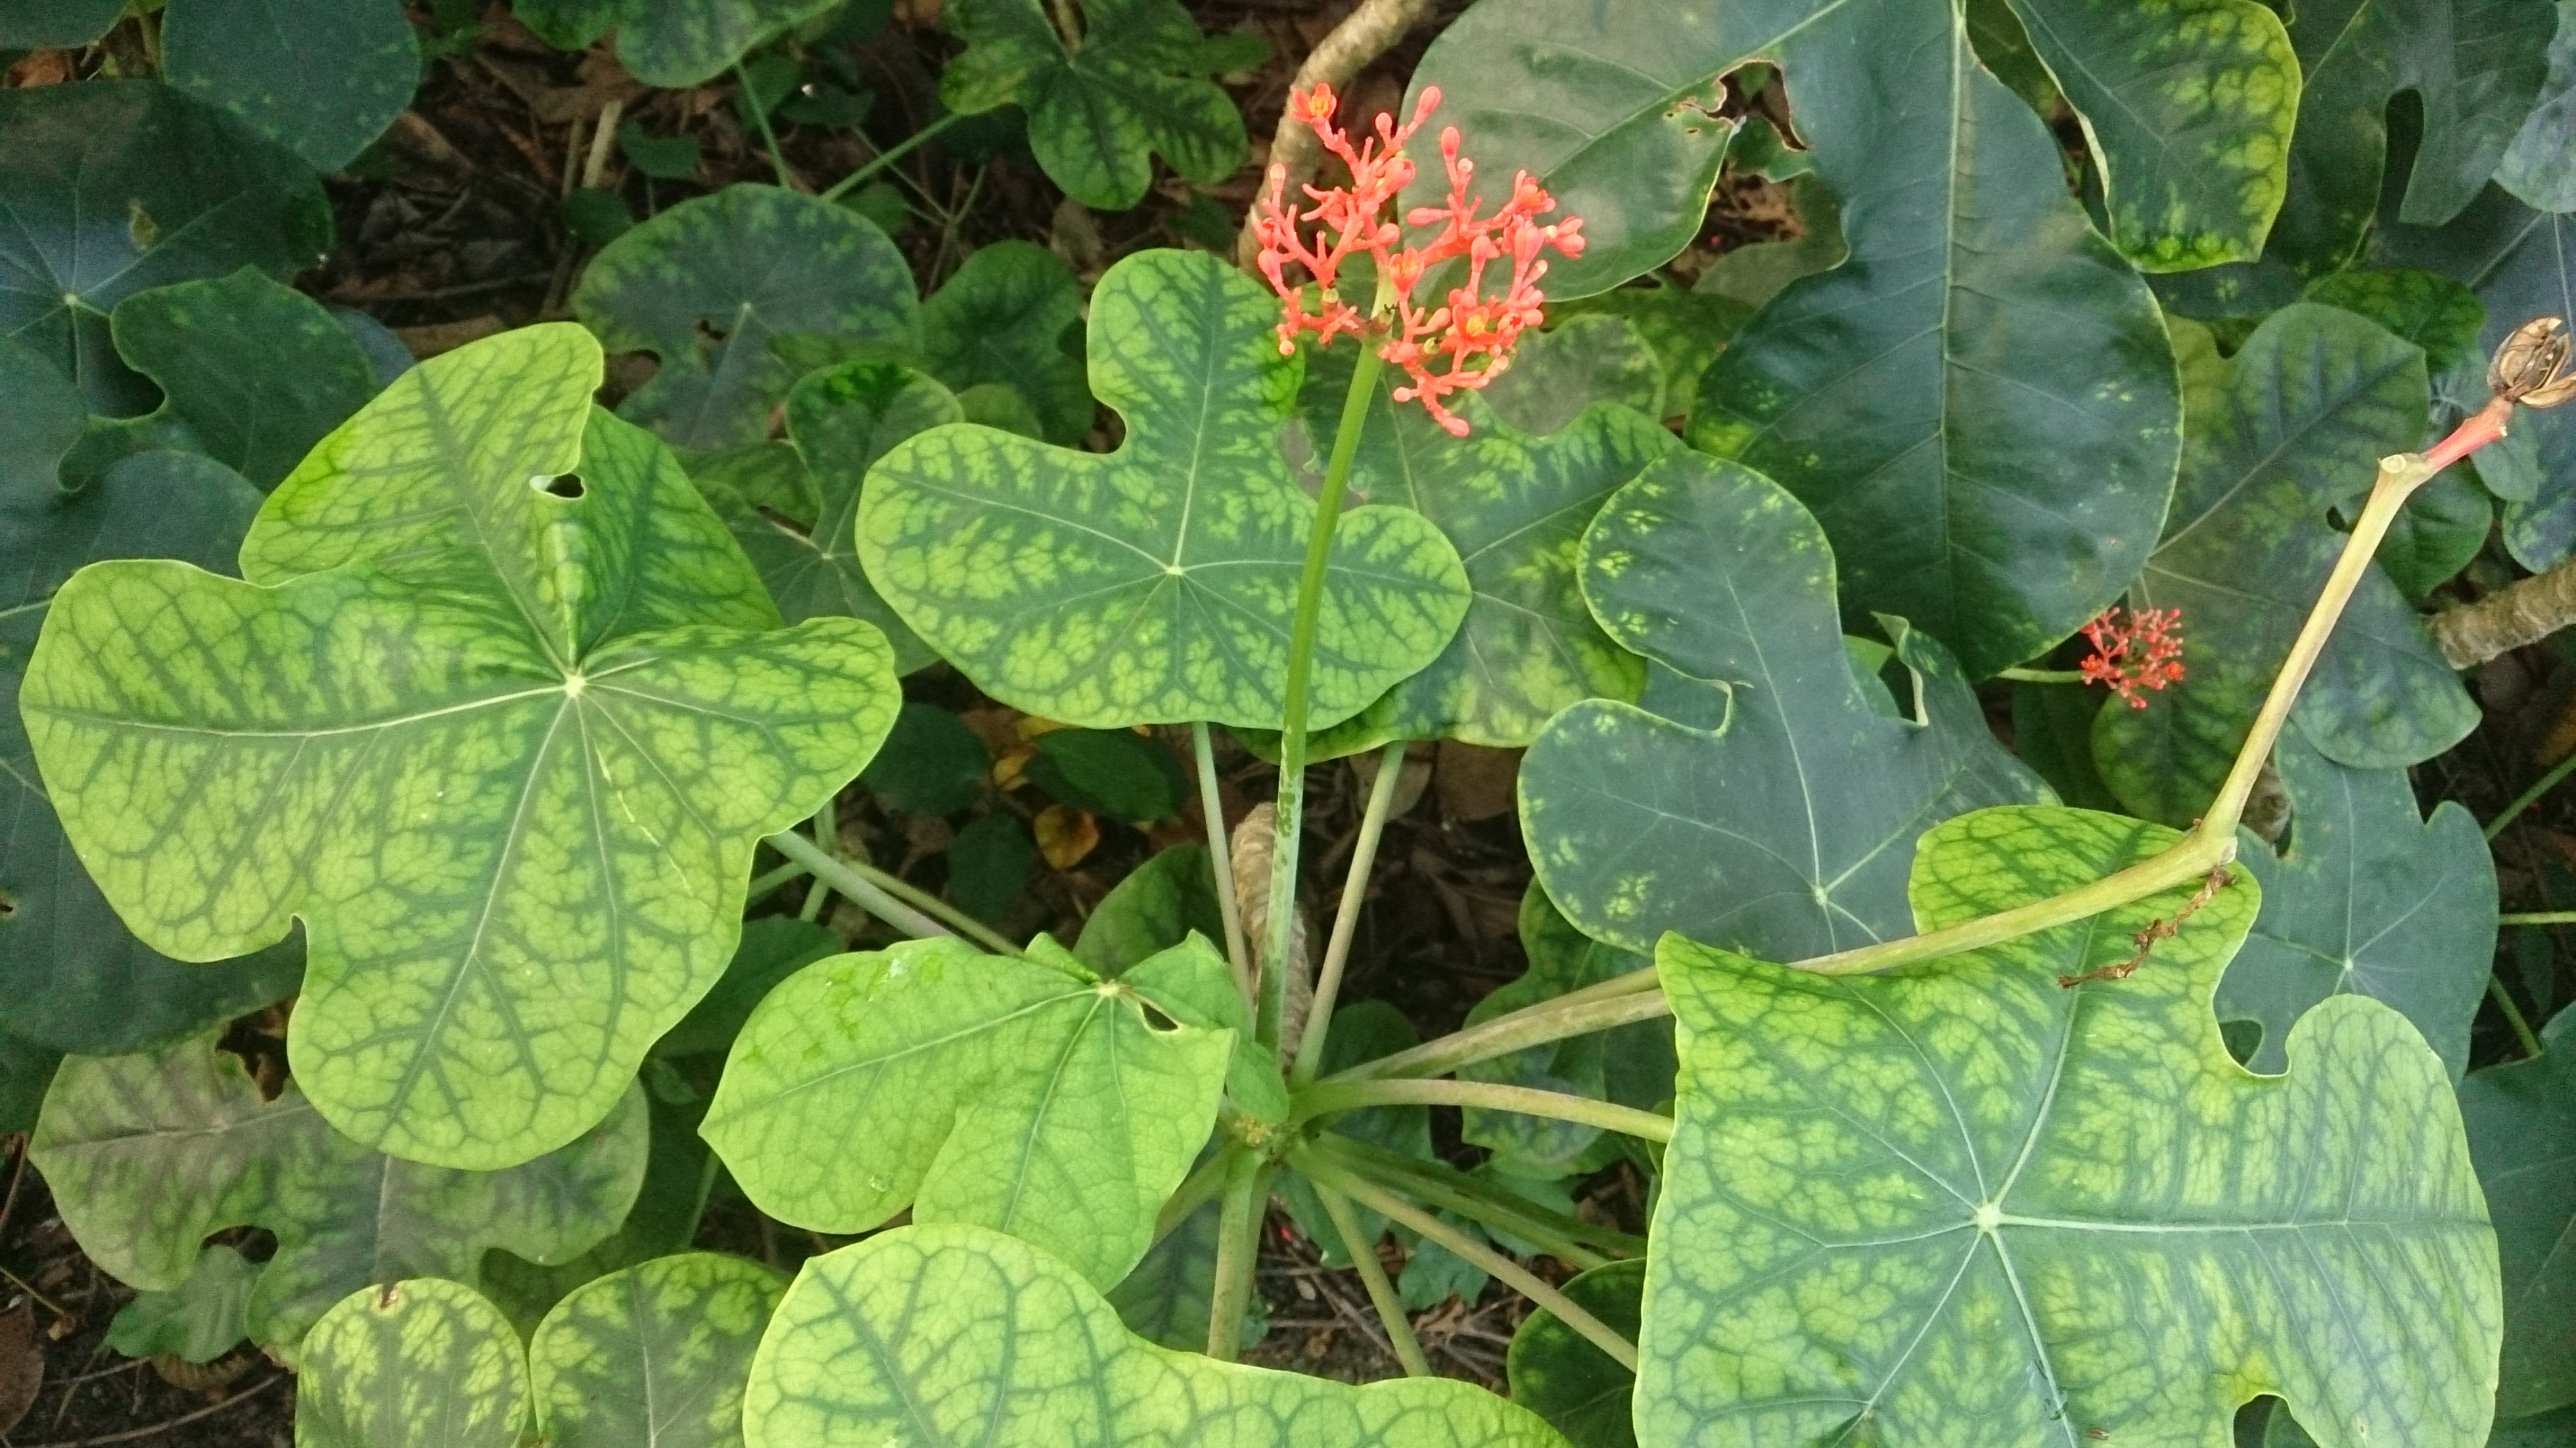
(2512, 616)
(1365, 34)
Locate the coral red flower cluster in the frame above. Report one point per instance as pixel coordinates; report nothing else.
(1458, 345)
(2143, 653)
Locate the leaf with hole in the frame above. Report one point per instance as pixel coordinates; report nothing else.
(938, 1332)
(1154, 584)
(2293, 425)
(707, 285)
(499, 713)
(118, 187)
(150, 1153)
(1960, 1202)
(1021, 1094)
(1103, 102)
(1753, 796)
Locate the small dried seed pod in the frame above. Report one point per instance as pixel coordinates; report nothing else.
(2531, 366)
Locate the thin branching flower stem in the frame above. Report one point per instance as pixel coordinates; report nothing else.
(1281, 924)
(1381, 1293)
(1327, 1098)
(854, 887)
(1346, 918)
(1328, 1174)
(1221, 860)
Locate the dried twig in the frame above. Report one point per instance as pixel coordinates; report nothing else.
(183, 1420)
(1367, 33)
(2158, 929)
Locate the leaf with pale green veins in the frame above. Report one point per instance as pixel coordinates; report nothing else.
(1685, 330)
(1585, 358)
(952, 1333)
(1131, 85)
(1003, 318)
(2435, 313)
(839, 421)
(2187, 110)
(1753, 796)
(72, 977)
(1155, 584)
(1022, 1094)
(1961, 1203)
(1516, 507)
(320, 80)
(1983, 383)
(706, 286)
(2539, 168)
(2522, 1134)
(1558, 1374)
(116, 187)
(654, 1356)
(153, 1152)
(418, 1364)
(2366, 899)
(500, 713)
(2292, 426)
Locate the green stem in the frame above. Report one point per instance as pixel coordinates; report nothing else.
(768, 880)
(2042, 676)
(1337, 1096)
(1569, 1239)
(856, 888)
(1638, 997)
(1290, 819)
(2513, 1017)
(1520, 1278)
(2531, 796)
(1238, 1251)
(1390, 1308)
(1221, 860)
(826, 838)
(1196, 1190)
(890, 155)
(2538, 917)
(768, 137)
(1346, 917)
(931, 905)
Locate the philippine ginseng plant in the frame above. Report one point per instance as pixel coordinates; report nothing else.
(1969, 1095)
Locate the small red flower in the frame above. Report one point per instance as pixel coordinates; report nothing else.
(2143, 653)
(1473, 333)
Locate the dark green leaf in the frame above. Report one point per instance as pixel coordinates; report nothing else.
(2293, 425)
(2439, 530)
(150, 1153)
(255, 371)
(1755, 274)
(2433, 312)
(673, 44)
(1558, 1374)
(2539, 167)
(37, 24)
(665, 158)
(932, 764)
(569, 24)
(1002, 318)
(1753, 796)
(1984, 382)
(2053, 734)
(1099, 110)
(1166, 1299)
(199, 1320)
(1581, 360)
(118, 187)
(596, 217)
(989, 864)
(321, 80)
(773, 948)
(2367, 899)
(705, 285)
(821, 103)
(2522, 1119)
(1113, 772)
(1155, 908)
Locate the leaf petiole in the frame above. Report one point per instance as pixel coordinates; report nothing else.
(1568, 1239)
(1238, 1251)
(1346, 918)
(1381, 1293)
(1221, 860)
(890, 155)
(854, 887)
(1328, 1098)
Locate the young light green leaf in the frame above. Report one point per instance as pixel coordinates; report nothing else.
(654, 1356)
(1154, 584)
(1963, 1203)
(1011, 1093)
(2521, 1120)
(2295, 424)
(2367, 899)
(1755, 797)
(417, 1364)
(706, 286)
(1985, 381)
(1003, 318)
(116, 187)
(199, 1320)
(1102, 102)
(321, 80)
(2187, 109)
(1516, 507)
(935, 1334)
(1155, 908)
(150, 1153)
(840, 420)
(1558, 1374)
(505, 751)
(2539, 168)
(254, 370)
(72, 977)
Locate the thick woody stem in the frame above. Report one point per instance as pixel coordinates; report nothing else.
(2505, 620)
(1363, 36)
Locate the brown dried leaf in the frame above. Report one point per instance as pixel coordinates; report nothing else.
(1066, 835)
